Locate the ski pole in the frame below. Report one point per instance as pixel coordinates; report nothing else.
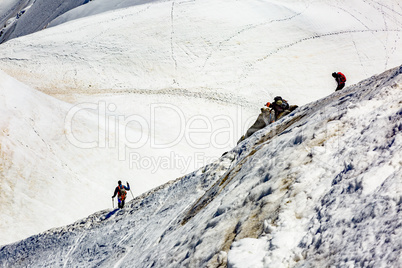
(113, 202)
(131, 192)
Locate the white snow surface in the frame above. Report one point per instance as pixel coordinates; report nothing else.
(318, 188)
(47, 181)
(64, 160)
(152, 90)
(239, 51)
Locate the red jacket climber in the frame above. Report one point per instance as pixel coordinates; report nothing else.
(340, 79)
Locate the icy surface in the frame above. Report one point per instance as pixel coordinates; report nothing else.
(320, 187)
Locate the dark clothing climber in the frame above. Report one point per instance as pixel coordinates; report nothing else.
(281, 107)
(275, 111)
(340, 79)
(121, 192)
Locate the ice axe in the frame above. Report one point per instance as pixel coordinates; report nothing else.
(113, 202)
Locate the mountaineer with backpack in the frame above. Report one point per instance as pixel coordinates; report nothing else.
(121, 192)
(340, 78)
(281, 107)
(275, 111)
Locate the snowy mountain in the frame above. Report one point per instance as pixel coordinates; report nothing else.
(318, 188)
(148, 91)
(23, 17)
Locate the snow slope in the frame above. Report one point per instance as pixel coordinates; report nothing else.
(318, 188)
(249, 50)
(183, 80)
(45, 179)
(60, 162)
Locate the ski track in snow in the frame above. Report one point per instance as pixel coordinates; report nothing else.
(72, 249)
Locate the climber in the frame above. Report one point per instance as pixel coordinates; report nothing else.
(340, 79)
(275, 111)
(281, 107)
(121, 192)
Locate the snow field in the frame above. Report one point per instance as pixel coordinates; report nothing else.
(189, 75)
(254, 50)
(275, 200)
(47, 174)
(94, 144)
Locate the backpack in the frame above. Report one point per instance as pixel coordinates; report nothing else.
(122, 192)
(342, 77)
